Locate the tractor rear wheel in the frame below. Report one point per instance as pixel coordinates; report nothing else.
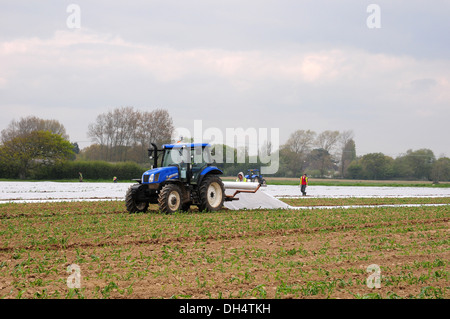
(212, 194)
(170, 199)
(132, 205)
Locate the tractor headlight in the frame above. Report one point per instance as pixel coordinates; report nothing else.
(152, 176)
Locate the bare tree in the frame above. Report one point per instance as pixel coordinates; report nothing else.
(153, 127)
(120, 131)
(29, 124)
(347, 150)
(124, 127)
(327, 140)
(115, 131)
(266, 149)
(296, 149)
(301, 141)
(97, 133)
(345, 136)
(348, 156)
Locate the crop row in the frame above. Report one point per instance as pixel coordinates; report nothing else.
(76, 226)
(315, 201)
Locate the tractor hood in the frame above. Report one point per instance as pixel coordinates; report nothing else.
(160, 174)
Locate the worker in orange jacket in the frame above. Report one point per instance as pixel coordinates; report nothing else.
(303, 184)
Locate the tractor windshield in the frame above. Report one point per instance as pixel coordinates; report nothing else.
(176, 156)
(201, 156)
(197, 156)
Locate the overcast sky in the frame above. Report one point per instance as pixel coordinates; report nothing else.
(253, 64)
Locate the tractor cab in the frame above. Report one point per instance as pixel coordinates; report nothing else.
(183, 162)
(191, 159)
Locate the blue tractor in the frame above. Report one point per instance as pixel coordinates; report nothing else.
(186, 177)
(254, 176)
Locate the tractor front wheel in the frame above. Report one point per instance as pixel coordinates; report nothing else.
(170, 199)
(212, 194)
(134, 206)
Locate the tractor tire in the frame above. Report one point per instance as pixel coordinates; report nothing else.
(170, 199)
(212, 194)
(134, 206)
(257, 180)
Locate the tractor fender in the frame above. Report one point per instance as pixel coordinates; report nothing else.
(211, 170)
(208, 170)
(135, 188)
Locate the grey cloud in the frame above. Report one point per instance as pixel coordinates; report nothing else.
(288, 64)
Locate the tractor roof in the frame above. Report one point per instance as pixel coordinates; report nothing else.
(188, 145)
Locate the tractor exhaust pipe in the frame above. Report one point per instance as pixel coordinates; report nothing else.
(155, 155)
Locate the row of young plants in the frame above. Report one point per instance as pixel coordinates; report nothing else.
(281, 253)
(295, 201)
(69, 227)
(66, 229)
(120, 279)
(281, 272)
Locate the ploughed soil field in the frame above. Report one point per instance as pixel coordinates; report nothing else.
(292, 253)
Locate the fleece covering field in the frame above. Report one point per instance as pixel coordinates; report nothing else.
(20, 192)
(278, 253)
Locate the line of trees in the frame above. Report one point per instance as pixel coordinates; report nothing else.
(324, 154)
(333, 154)
(36, 148)
(413, 165)
(31, 144)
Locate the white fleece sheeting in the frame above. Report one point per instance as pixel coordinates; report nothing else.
(259, 200)
(264, 198)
